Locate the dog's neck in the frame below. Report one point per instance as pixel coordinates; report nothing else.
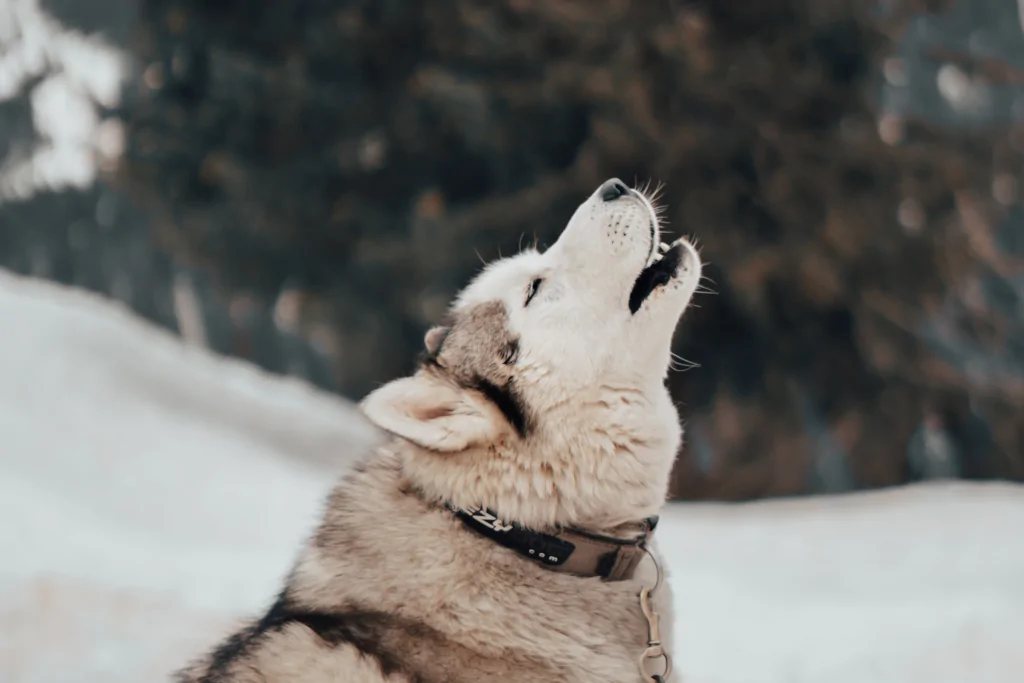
(604, 481)
(613, 555)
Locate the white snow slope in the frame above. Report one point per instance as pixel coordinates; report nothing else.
(152, 494)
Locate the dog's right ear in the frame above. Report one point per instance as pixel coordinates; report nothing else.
(434, 414)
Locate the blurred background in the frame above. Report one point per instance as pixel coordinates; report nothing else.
(306, 184)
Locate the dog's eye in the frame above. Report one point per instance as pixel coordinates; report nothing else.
(532, 291)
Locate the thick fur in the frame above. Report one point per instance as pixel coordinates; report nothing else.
(542, 398)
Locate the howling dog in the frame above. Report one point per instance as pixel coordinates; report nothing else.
(504, 531)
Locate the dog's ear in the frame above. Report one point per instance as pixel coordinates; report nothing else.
(434, 338)
(434, 414)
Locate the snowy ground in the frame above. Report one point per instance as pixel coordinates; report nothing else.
(151, 494)
(917, 584)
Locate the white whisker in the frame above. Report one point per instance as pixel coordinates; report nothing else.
(680, 364)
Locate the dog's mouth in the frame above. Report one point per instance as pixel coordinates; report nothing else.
(664, 265)
(663, 261)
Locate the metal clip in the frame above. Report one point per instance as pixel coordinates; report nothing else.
(654, 650)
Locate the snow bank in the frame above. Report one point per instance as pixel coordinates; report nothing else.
(922, 583)
(147, 489)
(151, 494)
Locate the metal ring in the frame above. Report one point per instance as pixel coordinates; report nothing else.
(657, 678)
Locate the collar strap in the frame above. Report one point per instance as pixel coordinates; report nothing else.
(571, 551)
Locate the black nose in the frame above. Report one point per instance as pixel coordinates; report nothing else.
(613, 189)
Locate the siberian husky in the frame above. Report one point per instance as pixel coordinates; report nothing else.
(504, 530)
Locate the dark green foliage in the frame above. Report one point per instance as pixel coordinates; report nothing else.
(373, 151)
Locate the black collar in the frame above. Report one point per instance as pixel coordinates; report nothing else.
(572, 551)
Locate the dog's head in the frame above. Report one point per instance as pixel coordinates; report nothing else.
(543, 394)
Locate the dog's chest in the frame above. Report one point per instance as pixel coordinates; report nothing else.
(461, 607)
(589, 633)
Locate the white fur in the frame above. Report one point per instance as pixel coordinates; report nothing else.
(592, 373)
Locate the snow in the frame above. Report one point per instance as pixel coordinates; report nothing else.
(79, 74)
(148, 489)
(920, 583)
(152, 494)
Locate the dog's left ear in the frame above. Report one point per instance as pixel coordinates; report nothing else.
(434, 414)
(434, 338)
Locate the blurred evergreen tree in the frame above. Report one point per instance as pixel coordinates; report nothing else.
(370, 150)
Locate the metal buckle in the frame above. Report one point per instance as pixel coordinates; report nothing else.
(655, 650)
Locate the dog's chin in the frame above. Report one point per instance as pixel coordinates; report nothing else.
(669, 264)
